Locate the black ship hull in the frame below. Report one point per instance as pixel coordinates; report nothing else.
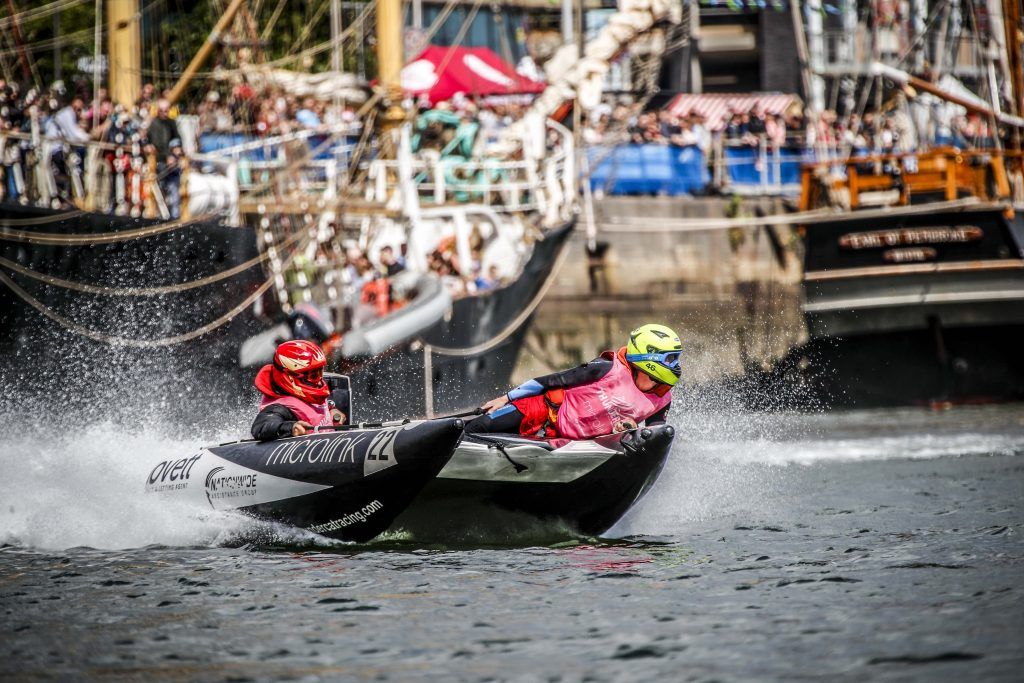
(79, 314)
(503, 487)
(395, 384)
(924, 367)
(914, 306)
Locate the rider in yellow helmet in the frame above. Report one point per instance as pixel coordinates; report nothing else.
(614, 392)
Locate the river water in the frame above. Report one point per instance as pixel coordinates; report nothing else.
(855, 546)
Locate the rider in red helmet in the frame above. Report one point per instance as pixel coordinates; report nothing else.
(296, 399)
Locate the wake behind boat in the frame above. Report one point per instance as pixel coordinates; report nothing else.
(348, 484)
(498, 485)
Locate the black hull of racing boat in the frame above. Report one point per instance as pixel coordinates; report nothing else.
(42, 247)
(391, 385)
(349, 485)
(500, 488)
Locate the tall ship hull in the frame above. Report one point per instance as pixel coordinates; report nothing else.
(107, 305)
(917, 305)
(914, 294)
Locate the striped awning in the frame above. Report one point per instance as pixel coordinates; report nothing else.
(718, 107)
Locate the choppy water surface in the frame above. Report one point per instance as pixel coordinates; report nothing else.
(852, 546)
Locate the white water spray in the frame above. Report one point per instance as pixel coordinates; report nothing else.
(86, 488)
(729, 461)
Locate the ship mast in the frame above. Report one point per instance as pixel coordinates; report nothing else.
(204, 52)
(336, 57)
(124, 68)
(1015, 60)
(389, 59)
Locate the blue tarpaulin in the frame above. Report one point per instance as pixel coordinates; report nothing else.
(648, 169)
(781, 167)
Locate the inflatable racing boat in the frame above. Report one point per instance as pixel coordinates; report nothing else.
(348, 484)
(496, 485)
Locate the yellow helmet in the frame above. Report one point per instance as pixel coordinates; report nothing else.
(654, 350)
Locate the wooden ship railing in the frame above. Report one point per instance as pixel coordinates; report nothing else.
(945, 173)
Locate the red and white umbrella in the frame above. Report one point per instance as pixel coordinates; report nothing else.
(442, 72)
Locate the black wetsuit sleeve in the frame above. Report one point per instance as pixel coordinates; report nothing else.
(273, 422)
(660, 417)
(574, 377)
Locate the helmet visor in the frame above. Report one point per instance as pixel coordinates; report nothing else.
(670, 359)
(313, 378)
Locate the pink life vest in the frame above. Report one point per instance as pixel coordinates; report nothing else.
(591, 410)
(317, 415)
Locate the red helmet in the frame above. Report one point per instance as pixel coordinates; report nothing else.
(298, 370)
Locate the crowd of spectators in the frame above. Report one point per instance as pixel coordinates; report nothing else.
(62, 120)
(751, 127)
(891, 130)
(268, 111)
(755, 145)
(148, 130)
(896, 130)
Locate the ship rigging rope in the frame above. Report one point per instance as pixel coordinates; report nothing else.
(310, 25)
(39, 45)
(114, 340)
(459, 37)
(222, 74)
(56, 218)
(33, 237)
(146, 291)
(273, 19)
(511, 328)
(315, 49)
(42, 11)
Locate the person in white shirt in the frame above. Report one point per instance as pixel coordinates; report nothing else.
(65, 158)
(64, 124)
